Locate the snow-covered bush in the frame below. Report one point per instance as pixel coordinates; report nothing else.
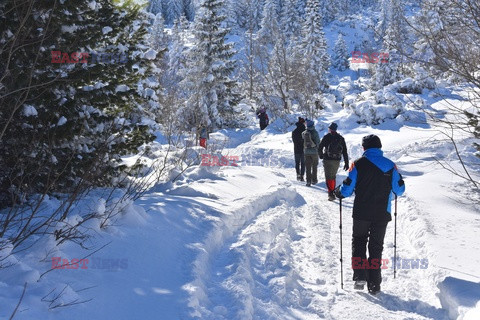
(373, 114)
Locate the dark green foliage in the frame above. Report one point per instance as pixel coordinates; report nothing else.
(473, 122)
(39, 153)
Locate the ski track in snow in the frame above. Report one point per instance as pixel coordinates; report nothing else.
(283, 262)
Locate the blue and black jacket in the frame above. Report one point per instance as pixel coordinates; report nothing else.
(375, 179)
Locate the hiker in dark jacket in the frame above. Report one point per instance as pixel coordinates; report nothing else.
(298, 148)
(263, 116)
(331, 149)
(311, 141)
(375, 179)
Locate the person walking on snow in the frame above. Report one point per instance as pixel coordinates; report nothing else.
(203, 136)
(298, 148)
(311, 140)
(263, 116)
(331, 149)
(374, 179)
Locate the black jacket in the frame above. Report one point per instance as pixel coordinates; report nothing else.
(297, 138)
(326, 140)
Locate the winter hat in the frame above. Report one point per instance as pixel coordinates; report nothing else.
(371, 141)
(301, 120)
(310, 123)
(333, 126)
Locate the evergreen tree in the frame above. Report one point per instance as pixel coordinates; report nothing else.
(189, 9)
(210, 68)
(314, 48)
(158, 38)
(340, 55)
(290, 20)
(386, 71)
(301, 4)
(64, 126)
(174, 11)
(156, 6)
(330, 10)
(269, 25)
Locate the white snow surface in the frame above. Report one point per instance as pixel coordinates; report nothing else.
(250, 242)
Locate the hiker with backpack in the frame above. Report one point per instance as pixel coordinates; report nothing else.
(263, 116)
(375, 181)
(311, 140)
(298, 148)
(331, 149)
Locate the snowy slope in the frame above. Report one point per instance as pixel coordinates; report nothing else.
(250, 242)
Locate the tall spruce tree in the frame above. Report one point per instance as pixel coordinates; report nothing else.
(65, 123)
(290, 20)
(340, 54)
(269, 25)
(314, 48)
(209, 80)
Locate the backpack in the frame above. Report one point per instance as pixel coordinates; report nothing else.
(334, 149)
(307, 140)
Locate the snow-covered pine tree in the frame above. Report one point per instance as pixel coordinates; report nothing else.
(174, 11)
(269, 25)
(158, 38)
(314, 48)
(209, 81)
(301, 4)
(386, 72)
(340, 54)
(330, 10)
(290, 20)
(156, 6)
(64, 123)
(189, 9)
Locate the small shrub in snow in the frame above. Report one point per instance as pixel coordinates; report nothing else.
(373, 114)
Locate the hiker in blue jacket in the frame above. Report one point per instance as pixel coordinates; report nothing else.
(311, 140)
(375, 180)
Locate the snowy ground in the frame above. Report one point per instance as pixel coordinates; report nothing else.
(250, 242)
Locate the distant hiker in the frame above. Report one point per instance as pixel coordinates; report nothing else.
(298, 148)
(374, 179)
(311, 140)
(331, 150)
(263, 116)
(203, 136)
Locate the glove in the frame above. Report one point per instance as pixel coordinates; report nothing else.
(346, 166)
(337, 193)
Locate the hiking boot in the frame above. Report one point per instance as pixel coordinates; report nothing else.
(308, 184)
(359, 284)
(331, 196)
(373, 288)
(314, 182)
(299, 177)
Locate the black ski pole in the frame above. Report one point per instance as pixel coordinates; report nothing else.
(395, 242)
(341, 251)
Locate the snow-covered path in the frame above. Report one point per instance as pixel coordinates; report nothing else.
(250, 242)
(277, 256)
(284, 264)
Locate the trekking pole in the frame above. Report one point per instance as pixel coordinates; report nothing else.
(395, 242)
(341, 251)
